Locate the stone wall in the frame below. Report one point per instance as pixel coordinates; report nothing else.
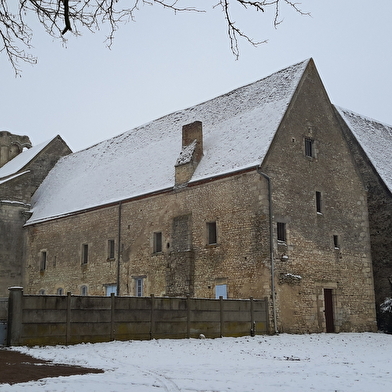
(21, 188)
(12, 244)
(379, 200)
(186, 264)
(309, 262)
(15, 195)
(322, 266)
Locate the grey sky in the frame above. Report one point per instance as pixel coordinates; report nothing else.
(165, 62)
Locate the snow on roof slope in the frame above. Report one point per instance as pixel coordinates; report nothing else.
(21, 160)
(238, 128)
(375, 139)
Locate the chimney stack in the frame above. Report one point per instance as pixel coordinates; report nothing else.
(191, 154)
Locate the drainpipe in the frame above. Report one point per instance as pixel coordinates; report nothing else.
(271, 249)
(119, 248)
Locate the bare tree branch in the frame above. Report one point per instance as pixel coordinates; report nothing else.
(59, 17)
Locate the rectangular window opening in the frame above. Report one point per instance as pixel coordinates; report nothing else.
(84, 253)
(309, 150)
(43, 260)
(139, 287)
(157, 246)
(83, 290)
(318, 202)
(221, 291)
(111, 248)
(336, 243)
(109, 289)
(281, 231)
(211, 233)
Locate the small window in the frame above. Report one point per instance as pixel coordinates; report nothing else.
(44, 259)
(60, 291)
(281, 231)
(309, 147)
(111, 248)
(336, 242)
(84, 254)
(318, 202)
(157, 245)
(83, 290)
(139, 287)
(42, 292)
(211, 233)
(221, 291)
(109, 289)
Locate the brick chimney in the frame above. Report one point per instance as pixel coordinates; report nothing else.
(11, 146)
(191, 154)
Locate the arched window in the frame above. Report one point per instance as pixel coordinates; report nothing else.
(83, 290)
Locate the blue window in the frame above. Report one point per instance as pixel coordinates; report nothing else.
(221, 291)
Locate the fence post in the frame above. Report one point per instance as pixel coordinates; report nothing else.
(188, 316)
(221, 316)
(152, 318)
(15, 306)
(266, 307)
(112, 299)
(252, 318)
(68, 320)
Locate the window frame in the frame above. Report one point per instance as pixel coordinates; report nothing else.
(60, 291)
(281, 232)
(139, 287)
(319, 203)
(218, 289)
(336, 241)
(309, 147)
(212, 233)
(111, 249)
(85, 253)
(84, 290)
(43, 261)
(110, 288)
(157, 242)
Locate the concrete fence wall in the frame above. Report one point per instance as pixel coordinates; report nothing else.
(3, 320)
(50, 320)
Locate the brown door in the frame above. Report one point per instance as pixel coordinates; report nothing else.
(328, 305)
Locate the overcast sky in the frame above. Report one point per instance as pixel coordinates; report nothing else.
(164, 62)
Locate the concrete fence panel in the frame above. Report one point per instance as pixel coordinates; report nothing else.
(48, 320)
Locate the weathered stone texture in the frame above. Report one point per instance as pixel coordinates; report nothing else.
(379, 200)
(309, 253)
(325, 253)
(12, 219)
(15, 196)
(186, 265)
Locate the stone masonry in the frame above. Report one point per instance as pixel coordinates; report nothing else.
(201, 237)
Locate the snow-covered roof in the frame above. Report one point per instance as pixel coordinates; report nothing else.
(20, 161)
(375, 139)
(238, 128)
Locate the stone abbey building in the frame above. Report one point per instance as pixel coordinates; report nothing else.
(267, 191)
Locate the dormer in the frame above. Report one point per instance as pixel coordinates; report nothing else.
(191, 154)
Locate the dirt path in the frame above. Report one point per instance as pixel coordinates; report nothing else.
(16, 367)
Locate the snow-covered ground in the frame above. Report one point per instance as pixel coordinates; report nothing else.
(319, 362)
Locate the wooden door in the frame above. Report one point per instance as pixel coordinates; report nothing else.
(328, 311)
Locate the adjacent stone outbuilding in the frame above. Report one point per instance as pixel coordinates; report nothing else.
(22, 170)
(371, 146)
